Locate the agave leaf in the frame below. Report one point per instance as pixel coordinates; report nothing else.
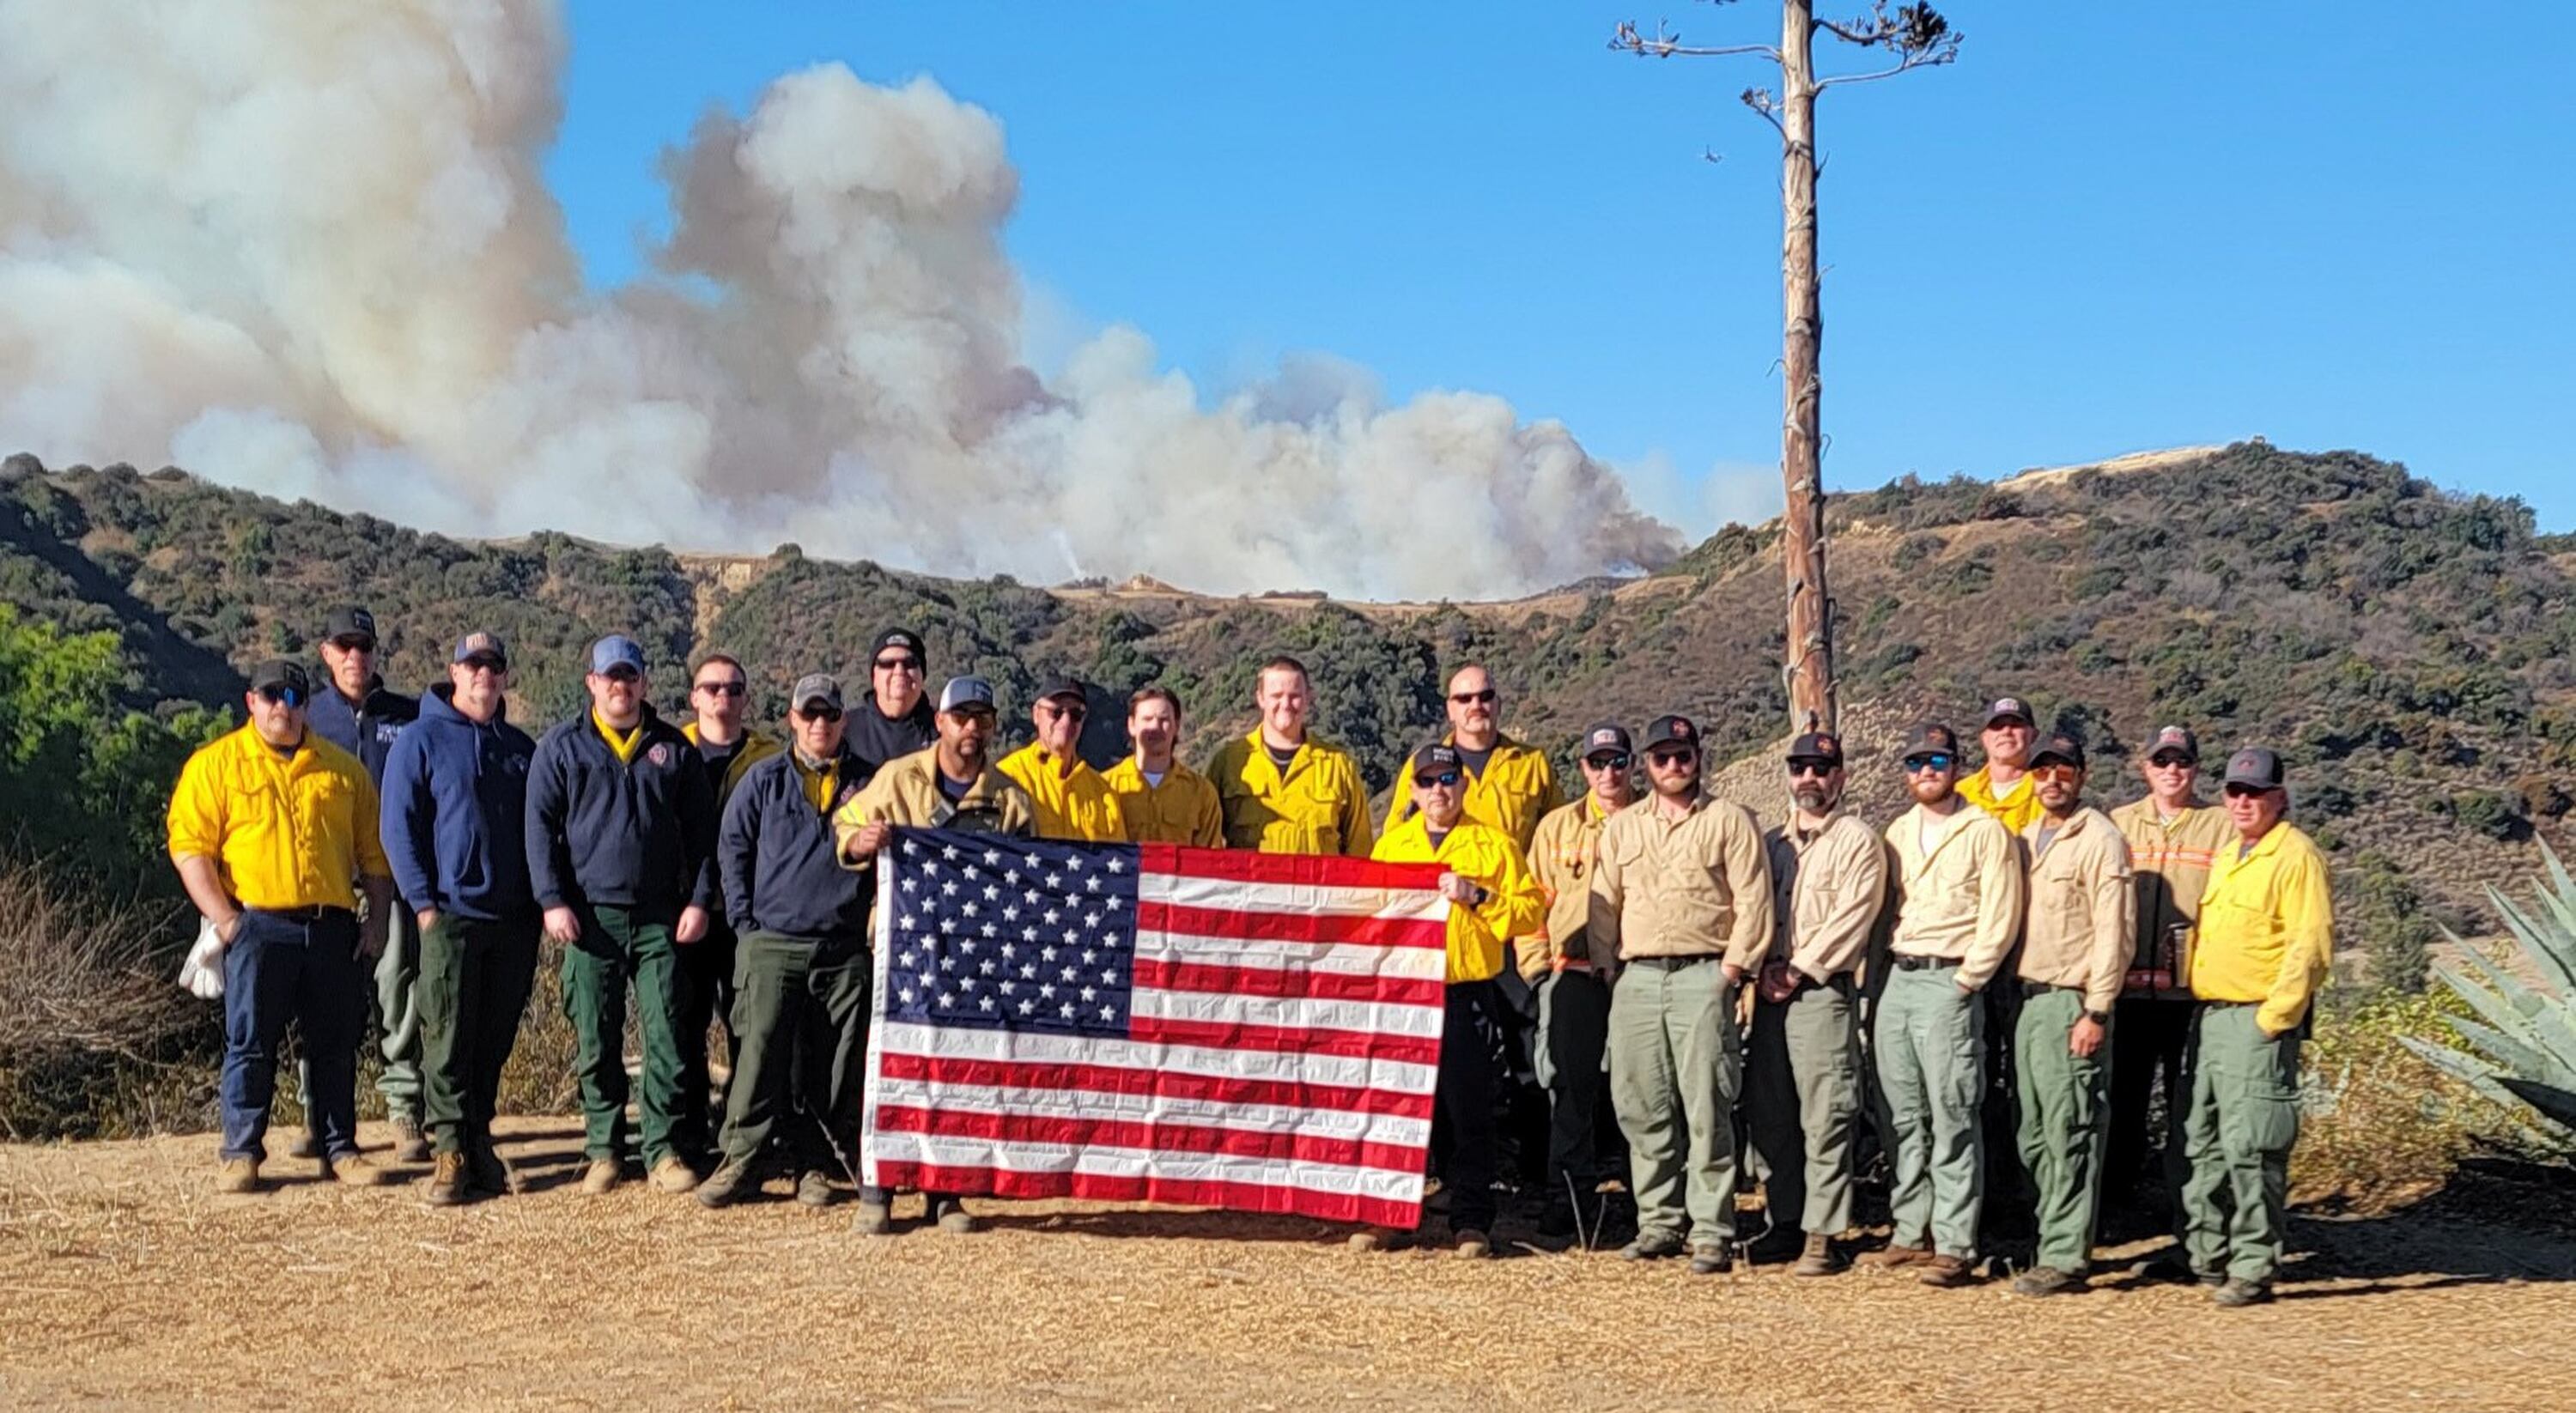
(2497, 1010)
(2509, 1053)
(2551, 948)
(2558, 1105)
(2507, 987)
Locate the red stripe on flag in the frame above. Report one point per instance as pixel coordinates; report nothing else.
(1288, 983)
(1095, 1187)
(1114, 1079)
(1291, 927)
(1149, 1137)
(1245, 866)
(1309, 1040)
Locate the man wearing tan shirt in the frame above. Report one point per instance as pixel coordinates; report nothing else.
(1683, 895)
(2076, 946)
(1959, 902)
(2173, 838)
(1828, 884)
(1570, 973)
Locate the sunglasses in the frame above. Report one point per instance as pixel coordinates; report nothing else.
(623, 673)
(1071, 711)
(354, 645)
(2172, 762)
(978, 713)
(1445, 778)
(723, 689)
(481, 663)
(825, 713)
(1817, 768)
(1469, 698)
(281, 696)
(898, 664)
(2240, 792)
(1607, 762)
(1671, 758)
(1931, 762)
(2058, 771)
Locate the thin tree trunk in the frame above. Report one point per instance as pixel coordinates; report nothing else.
(1810, 667)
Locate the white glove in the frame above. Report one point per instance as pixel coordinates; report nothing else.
(202, 974)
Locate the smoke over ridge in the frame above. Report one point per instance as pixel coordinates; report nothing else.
(306, 247)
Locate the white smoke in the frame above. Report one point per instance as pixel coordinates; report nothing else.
(305, 246)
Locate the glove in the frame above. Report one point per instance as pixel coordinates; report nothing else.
(202, 974)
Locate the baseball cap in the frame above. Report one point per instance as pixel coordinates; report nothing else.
(1437, 756)
(2256, 767)
(1061, 687)
(1817, 745)
(482, 645)
(1931, 738)
(2060, 746)
(350, 622)
(1606, 736)
(279, 672)
(816, 687)
(1671, 731)
(903, 638)
(966, 692)
(616, 650)
(2175, 738)
(2009, 709)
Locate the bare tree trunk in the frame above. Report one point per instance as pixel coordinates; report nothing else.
(1810, 666)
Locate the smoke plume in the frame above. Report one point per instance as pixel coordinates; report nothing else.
(305, 246)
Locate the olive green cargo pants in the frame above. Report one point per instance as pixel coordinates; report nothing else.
(1675, 1071)
(1805, 1079)
(1932, 1065)
(619, 945)
(800, 1008)
(2065, 1102)
(2237, 1137)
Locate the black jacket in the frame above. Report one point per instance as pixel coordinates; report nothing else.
(876, 738)
(632, 836)
(367, 730)
(781, 872)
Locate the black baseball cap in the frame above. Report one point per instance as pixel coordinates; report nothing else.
(1673, 730)
(1931, 738)
(351, 622)
(2256, 767)
(2177, 739)
(280, 672)
(1818, 746)
(1439, 755)
(2059, 746)
(1606, 736)
(903, 638)
(1062, 687)
(2009, 709)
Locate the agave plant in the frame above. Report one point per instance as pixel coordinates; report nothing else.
(2524, 1035)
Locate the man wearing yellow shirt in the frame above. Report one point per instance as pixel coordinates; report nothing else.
(1162, 800)
(1509, 785)
(2001, 786)
(1073, 801)
(268, 826)
(2266, 941)
(1283, 791)
(1492, 898)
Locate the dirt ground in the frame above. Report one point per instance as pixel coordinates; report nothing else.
(125, 1281)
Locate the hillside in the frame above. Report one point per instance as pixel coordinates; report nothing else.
(2410, 650)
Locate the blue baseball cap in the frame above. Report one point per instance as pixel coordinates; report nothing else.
(616, 650)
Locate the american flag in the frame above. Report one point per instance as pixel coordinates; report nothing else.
(1154, 1023)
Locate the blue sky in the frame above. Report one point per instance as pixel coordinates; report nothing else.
(2106, 229)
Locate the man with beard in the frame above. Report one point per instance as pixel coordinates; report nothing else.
(1959, 883)
(1162, 800)
(1829, 884)
(2075, 953)
(621, 852)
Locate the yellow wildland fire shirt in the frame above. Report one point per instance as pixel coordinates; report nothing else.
(1318, 805)
(1562, 856)
(1828, 889)
(1959, 891)
(2016, 808)
(1183, 809)
(1693, 887)
(1514, 791)
(2171, 858)
(284, 831)
(1482, 855)
(1077, 805)
(2083, 921)
(755, 748)
(907, 792)
(2266, 928)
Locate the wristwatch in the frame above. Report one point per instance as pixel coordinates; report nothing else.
(2098, 1017)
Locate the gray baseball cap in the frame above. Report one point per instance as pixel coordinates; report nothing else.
(816, 687)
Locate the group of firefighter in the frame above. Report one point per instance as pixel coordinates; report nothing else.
(2003, 972)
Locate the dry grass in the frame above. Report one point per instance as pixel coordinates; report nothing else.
(124, 1280)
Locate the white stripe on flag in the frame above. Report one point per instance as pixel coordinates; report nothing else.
(1163, 1109)
(1234, 895)
(1333, 1178)
(1213, 1008)
(1336, 958)
(965, 1043)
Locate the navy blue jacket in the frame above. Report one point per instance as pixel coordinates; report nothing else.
(367, 730)
(455, 813)
(630, 836)
(781, 871)
(877, 738)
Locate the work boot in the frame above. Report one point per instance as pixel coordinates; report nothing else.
(1376, 1239)
(1947, 1272)
(672, 1175)
(304, 1145)
(2237, 1294)
(448, 1184)
(1651, 1246)
(723, 1187)
(2048, 1280)
(1712, 1260)
(353, 1170)
(602, 1175)
(410, 1144)
(1819, 1258)
(1773, 1246)
(2175, 1269)
(874, 1219)
(1473, 1244)
(1892, 1256)
(814, 1189)
(487, 1172)
(237, 1175)
(954, 1219)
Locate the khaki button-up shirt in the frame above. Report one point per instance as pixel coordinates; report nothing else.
(1562, 856)
(2083, 925)
(1959, 895)
(1692, 887)
(2171, 859)
(907, 792)
(1827, 889)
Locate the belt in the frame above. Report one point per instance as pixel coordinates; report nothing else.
(2042, 988)
(1906, 961)
(1672, 963)
(312, 914)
